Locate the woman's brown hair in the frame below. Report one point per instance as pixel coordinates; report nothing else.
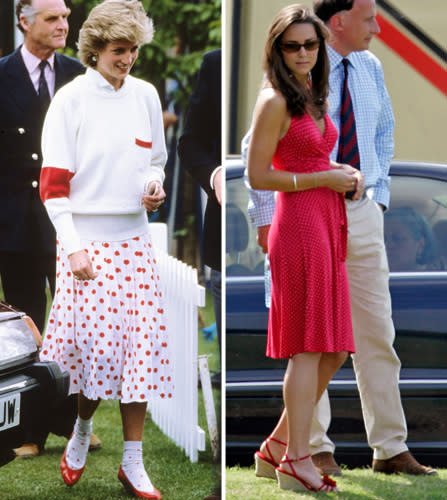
(277, 72)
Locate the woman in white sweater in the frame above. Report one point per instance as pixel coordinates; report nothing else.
(103, 158)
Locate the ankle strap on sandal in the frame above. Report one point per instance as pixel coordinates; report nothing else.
(271, 438)
(285, 459)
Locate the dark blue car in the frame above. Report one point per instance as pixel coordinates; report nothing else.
(416, 238)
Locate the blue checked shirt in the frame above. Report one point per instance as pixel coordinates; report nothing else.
(374, 125)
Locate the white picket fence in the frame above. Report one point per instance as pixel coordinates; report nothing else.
(178, 416)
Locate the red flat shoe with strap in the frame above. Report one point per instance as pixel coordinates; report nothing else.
(70, 476)
(153, 495)
(265, 466)
(291, 480)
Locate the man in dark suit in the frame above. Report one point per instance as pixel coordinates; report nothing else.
(27, 237)
(200, 152)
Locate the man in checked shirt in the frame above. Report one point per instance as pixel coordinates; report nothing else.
(353, 24)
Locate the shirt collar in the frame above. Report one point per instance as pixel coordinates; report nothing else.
(32, 62)
(100, 82)
(335, 58)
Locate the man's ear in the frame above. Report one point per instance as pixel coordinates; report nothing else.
(336, 22)
(24, 22)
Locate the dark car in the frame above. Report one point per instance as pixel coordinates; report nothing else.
(28, 387)
(416, 238)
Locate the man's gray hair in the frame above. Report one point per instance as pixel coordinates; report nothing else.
(29, 12)
(24, 8)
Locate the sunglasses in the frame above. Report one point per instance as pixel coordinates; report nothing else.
(296, 47)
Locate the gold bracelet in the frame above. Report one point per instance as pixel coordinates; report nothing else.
(315, 179)
(295, 183)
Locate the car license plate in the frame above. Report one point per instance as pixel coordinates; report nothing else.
(9, 411)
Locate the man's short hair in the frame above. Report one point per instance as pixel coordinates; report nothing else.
(25, 8)
(325, 9)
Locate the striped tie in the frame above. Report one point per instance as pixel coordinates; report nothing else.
(44, 94)
(348, 151)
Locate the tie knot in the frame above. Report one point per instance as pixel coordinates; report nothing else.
(43, 64)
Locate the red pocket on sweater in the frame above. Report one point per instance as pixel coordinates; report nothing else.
(143, 144)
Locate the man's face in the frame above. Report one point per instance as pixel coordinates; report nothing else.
(50, 28)
(359, 25)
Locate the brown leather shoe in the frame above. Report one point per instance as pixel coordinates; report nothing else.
(326, 464)
(95, 443)
(403, 463)
(28, 450)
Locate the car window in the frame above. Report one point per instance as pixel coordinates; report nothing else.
(415, 228)
(416, 225)
(244, 257)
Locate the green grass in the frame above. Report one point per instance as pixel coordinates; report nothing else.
(170, 470)
(168, 467)
(358, 484)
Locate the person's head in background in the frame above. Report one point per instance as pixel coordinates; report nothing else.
(352, 23)
(44, 24)
(409, 240)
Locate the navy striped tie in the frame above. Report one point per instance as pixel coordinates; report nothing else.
(348, 151)
(44, 94)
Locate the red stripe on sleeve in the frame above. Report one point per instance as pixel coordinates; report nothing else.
(54, 183)
(143, 144)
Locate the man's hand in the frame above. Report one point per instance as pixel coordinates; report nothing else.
(217, 185)
(262, 238)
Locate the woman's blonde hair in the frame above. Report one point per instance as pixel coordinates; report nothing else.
(113, 21)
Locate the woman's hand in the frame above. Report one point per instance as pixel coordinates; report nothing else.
(81, 266)
(360, 181)
(341, 179)
(360, 185)
(154, 196)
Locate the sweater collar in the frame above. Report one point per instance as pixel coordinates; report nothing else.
(100, 82)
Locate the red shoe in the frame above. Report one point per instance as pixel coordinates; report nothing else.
(265, 465)
(154, 495)
(291, 480)
(70, 476)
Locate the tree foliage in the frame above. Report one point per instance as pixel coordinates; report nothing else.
(184, 31)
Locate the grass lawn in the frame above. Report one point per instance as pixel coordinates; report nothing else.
(358, 484)
(169, 468)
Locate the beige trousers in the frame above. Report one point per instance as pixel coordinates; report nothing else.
(375, 362)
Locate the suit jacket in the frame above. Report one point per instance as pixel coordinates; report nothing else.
(200, 148)
(24, 223)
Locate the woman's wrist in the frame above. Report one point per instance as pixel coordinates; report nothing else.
(295, 182)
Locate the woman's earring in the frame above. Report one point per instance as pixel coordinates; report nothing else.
(94, 59)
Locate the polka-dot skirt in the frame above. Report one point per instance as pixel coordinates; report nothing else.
(110, 333)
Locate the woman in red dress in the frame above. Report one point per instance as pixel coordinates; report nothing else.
(310, 318)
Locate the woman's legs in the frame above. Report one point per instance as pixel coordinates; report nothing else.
(329, 364)
(77, 446)
(306, 378)
(87, 407)
(133, 416)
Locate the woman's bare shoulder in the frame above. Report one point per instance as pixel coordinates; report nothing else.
(271, 101)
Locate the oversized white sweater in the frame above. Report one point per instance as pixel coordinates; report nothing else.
(100, 148)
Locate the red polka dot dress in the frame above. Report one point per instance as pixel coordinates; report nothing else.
(110, 333)
(310, 307)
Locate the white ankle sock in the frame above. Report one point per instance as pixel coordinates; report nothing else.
(133, 466)
(77, 447)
